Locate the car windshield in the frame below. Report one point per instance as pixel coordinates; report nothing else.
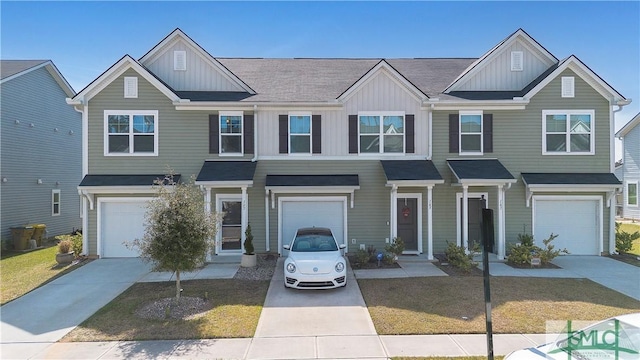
(314, 243)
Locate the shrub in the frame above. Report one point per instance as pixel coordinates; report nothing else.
(362, 257)
(457, 256)
(522, 252)
(389, 258)
(70, 242)
(64, 246)
(548, 253)
(248, 241)
(395, 249)
(624, 240)
(373, 253)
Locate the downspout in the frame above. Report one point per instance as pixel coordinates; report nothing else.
(612, 144)
(612, 164)
(430, 130)
(84, 110)
(255, 133)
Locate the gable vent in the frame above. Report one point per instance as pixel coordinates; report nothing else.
(130, 87)
(517, 61)
(180, 60)
(568, 86)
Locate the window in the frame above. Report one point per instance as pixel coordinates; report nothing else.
(131, 132)
(567, 132)
(470, 132)
(299, 134)
(568, 86)
(381, 133)
(179, 60)
(130, 87)
(231, 133)
(517, 61)
(632, 193)
(55, 202)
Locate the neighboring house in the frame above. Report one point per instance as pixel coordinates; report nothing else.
(41, 148)
(619, 195)
(371, 148)
(630, 136)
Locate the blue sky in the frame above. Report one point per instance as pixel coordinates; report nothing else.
(85, 38)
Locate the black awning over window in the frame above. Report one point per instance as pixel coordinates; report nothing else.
(402, 170)
(312, 180)
(570, 179)
(124, 180)
(220, 171)
(480, 169)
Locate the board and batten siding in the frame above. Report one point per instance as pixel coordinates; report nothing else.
(631, 159)
(381, 93)
(496, 75)
(200, 75)
(41, 139)
(517, 143)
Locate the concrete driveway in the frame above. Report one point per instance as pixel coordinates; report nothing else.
(48, 313)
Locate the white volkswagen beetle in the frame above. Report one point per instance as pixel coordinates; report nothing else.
(315, 260)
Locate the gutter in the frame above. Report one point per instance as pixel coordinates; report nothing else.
(255, 133)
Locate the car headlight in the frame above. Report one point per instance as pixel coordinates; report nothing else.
(291, 268)
(340, 267)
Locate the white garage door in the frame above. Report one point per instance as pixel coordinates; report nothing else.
(576, 222)
(121, 221)
(309, 213)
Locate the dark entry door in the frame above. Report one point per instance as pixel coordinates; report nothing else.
(475, 221)
(407, 223)
(231, 225)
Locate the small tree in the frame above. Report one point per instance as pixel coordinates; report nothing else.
(624, 240)
(248, 241)
(178, 230)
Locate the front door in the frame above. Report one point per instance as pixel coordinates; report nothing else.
(475, 221)
(231, 226)
(407, 222)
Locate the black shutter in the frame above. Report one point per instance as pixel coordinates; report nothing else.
(487, 133)
(409, 136)
(454, 144)
(353, 134)
(316, 141)
(283, 121)
(214, 129)
(248, 134)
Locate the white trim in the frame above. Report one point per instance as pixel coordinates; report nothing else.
(343, 199)
(54, 202)
(486, 105)
(130, 87)
(628, 126)
(418, 197)
(52, 69)
(310, 134)
(394, 75)
(470, 113)
(599, 225)
(363, 156)
(131, 134)
(567, 132)
(626, 193)
(85, 141)
(85, 225)
(102, 200)
(241, 134)
(430, 222)
(235, 198)
(568, 87)
(250, 105)
(462, 240)
(381, 134)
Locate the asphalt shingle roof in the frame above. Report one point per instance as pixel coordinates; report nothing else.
(487, 169)
(227, 171)
(312, 180)
(12, 67)
(410, 170)
(124, 180)
(570, 179)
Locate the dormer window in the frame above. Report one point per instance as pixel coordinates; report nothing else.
(517, 61)
(130, 87)
(180, 60)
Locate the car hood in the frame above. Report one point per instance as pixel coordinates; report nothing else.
(322, 262)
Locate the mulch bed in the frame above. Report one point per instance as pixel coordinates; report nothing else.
(527, 266)
(371, 265)
(630, 259)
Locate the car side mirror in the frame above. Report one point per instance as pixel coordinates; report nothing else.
(343, 246)
(286, 247)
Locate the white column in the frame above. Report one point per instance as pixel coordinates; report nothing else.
(244, 215)
(266, 220)
(612, 223)
(207, 210)
(394, 212)
(85, 226)
(430, 222)
(501, 240)
(465, 216)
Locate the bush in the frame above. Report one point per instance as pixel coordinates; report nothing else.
(373, 253)
(362, 257)
(394, 249)
(248, 241)
(70, 242)
(548, 253)
(522, 252)
(64, 246)
(624, 240)
(457, 256)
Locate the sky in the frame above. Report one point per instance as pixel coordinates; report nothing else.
(84, 38)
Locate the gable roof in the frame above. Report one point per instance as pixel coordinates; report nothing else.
(628, 126)
(586, 74)
(477, 65)
(11, 69)
(125, 63)
(177, 35)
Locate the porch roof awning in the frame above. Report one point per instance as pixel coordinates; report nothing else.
(480, 172)
(227, 173)
(570, 182)
(411, 172)
(123, 180)
(350, 181)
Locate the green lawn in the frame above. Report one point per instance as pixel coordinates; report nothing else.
(22, 272)
(455, 304)
(631, 228)
(233, 311)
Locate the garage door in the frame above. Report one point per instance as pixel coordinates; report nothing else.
(121, 221)
(576, 222)
(309, 213)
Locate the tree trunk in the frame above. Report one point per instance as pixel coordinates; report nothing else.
(178, 292)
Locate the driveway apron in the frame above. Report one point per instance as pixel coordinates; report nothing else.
(51, 311)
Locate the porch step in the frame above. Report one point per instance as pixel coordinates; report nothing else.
(421, 258)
